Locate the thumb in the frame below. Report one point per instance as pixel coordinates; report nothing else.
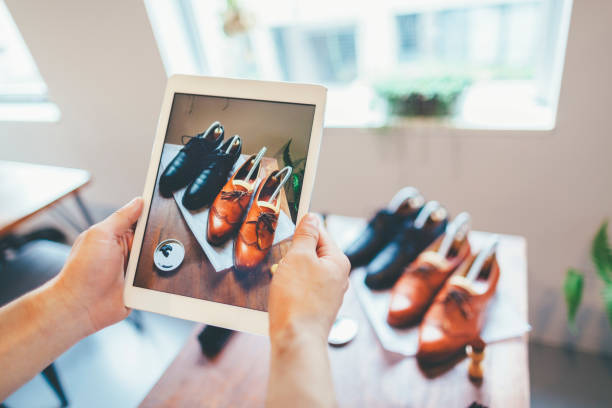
(123, 219)
(307, 233)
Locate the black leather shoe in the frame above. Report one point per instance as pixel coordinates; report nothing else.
(387, 222)
(386, 268)
(203, 190)
(190, 160)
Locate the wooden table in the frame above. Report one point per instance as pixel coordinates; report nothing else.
(196, 277)
(27, 189)
(365, 375)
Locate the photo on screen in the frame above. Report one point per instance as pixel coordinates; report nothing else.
(226, 198)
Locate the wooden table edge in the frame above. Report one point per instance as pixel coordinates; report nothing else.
(11, 226)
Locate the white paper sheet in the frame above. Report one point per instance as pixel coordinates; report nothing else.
(502, 322)
(219, 257)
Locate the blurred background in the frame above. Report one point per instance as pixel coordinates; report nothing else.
(497, 107)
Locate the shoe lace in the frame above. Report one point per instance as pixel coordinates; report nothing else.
(460, 298)
(423, 270)
(267, 219)
(233, 195)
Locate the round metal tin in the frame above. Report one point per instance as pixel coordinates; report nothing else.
(343, 331)
(169, 255)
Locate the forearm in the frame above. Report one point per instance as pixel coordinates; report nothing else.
(300, 374)
(36, 329)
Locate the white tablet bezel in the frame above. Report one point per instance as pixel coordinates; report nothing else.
(219, 314)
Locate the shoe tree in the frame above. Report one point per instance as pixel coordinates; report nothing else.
(484, 259)
(246, 182)
(270, 201)
(208, 134)
(456, 232)
(287, 170)
(217, 133)
(406, 201)
(219, 130)
(234, 143)
(258, 158)
(432, 211)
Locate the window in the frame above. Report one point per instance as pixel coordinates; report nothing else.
(451, 41)
(23, 93)
(408, 30)
(331, 52)
(484, 63)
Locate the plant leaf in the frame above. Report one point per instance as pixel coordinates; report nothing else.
(287, 155)
(574, 281)
(297, 163)
(610, 259)
(602, 254)
(607, 298)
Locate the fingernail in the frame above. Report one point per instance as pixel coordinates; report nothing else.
(132, 202)
(312, 219)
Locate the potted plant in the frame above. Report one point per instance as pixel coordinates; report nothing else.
(294, 186)
(601, 255)
(424, 95)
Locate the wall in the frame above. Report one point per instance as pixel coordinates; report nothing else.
(103, 70)
(258, 123)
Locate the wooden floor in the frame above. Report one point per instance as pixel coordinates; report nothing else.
(196, 277)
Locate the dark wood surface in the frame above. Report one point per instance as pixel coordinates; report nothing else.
(365, 375)
(27, 189)
(196, 277)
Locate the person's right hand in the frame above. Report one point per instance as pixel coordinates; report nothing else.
(92, 280)
(308, 285)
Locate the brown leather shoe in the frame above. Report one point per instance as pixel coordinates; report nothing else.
(256, 234)
(423, 278)
(231, 204)
(458, 313)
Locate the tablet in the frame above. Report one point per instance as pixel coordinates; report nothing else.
(231, 173)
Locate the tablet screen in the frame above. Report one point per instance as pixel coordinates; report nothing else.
(226, 198)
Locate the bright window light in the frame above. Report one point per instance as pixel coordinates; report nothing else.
(23, 93)
(472, 63)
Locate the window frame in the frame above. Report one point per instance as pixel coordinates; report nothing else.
(23, 101)
(268, 65)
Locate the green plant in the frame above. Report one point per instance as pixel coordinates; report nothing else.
(601, 255)
(294, 186)
(422, 95)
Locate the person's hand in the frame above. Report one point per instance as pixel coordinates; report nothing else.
(308, 285)
(91, 282)
(306, 292)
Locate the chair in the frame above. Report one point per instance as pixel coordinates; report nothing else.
(34, 264)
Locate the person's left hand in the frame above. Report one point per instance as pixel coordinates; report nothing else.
(91, 281)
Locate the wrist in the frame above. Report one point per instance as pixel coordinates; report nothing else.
(67, 309)
(295, 335)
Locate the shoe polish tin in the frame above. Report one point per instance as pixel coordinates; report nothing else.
(343, 331)
(169, 255)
